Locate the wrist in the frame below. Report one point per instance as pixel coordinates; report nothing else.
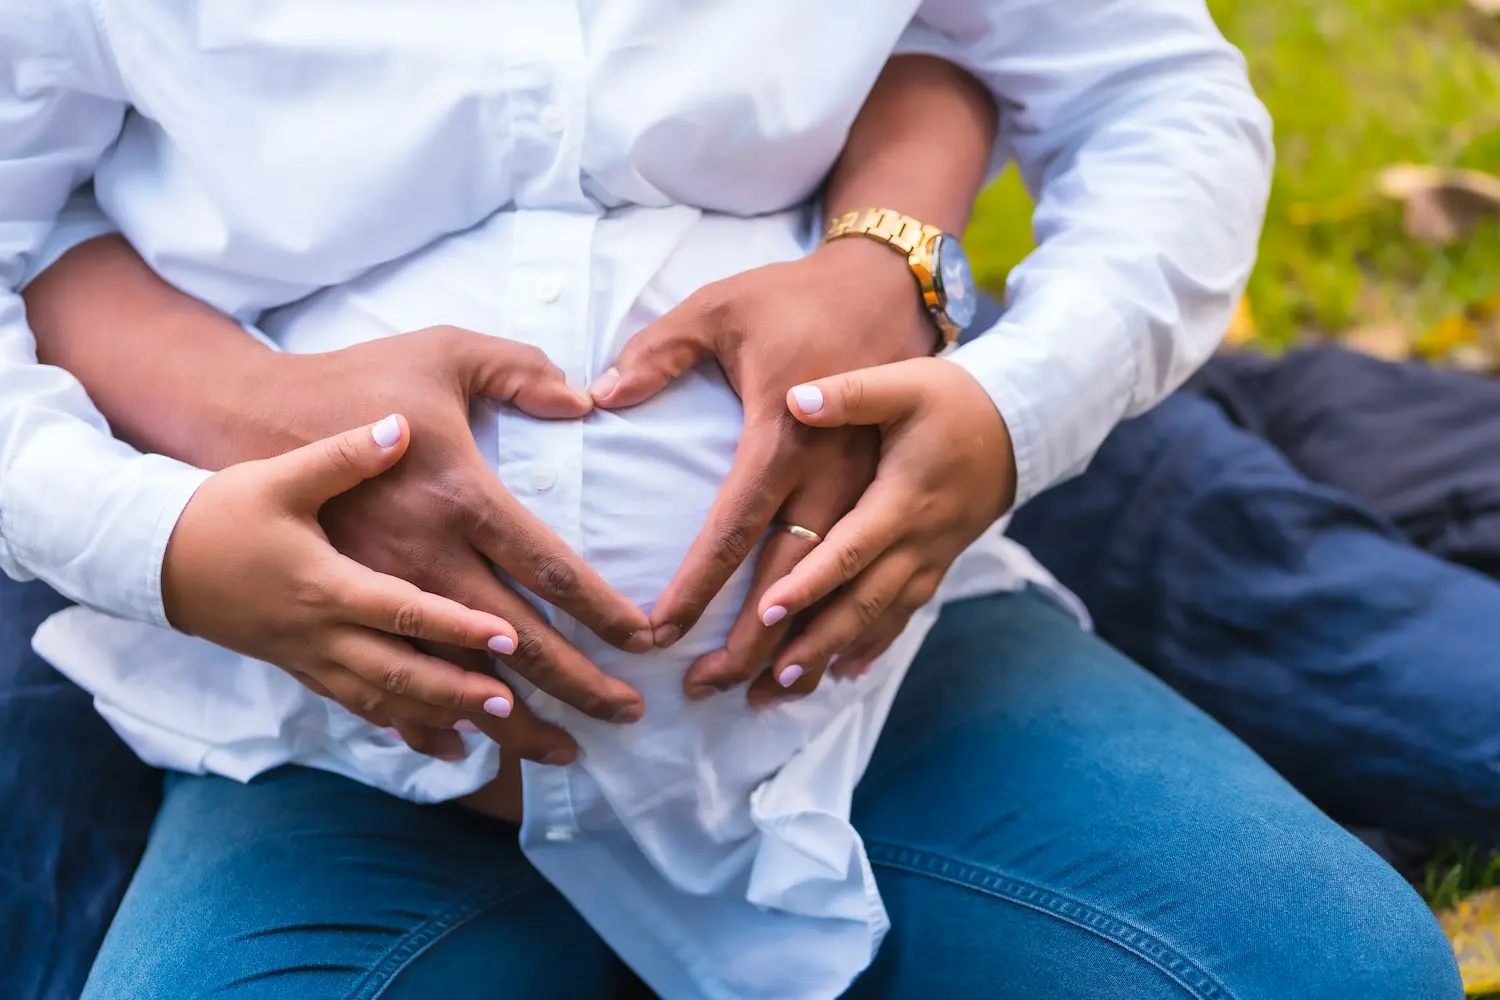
(261, 411)
(880, 277)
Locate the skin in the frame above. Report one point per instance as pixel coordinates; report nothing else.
(143, 350)
(851, 304)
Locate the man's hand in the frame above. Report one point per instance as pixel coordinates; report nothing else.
(248, 568)
(851, 304)
(439, 518)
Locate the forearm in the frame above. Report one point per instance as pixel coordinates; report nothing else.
(920, 145)
(171, 374)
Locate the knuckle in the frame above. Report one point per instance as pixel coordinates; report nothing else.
(312, 593)
(395, 677)
(711, 305)
(342, 454)
(867, 607)
(851, 392)
(734, 542)
(850, 562)
(445, 338)
(529, 357)
(531, 651)
(370, 703)
(920, 591)
(408, 618)
(556, 580)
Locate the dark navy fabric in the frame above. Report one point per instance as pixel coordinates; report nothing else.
(1419, 444)
(76, 807)
(1364, 669)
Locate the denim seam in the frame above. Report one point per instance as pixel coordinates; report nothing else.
(1146, 946)
(430, 932)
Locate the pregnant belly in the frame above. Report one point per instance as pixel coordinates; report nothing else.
(630, 491)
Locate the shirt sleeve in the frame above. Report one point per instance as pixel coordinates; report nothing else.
(82, 511)
(1135, 127)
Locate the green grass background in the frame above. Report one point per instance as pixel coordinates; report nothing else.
(1353, 86)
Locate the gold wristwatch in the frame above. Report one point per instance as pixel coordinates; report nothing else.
(936, 259)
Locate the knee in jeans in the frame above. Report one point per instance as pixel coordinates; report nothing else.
(1396, 951)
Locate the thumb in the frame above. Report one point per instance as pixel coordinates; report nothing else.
(310, 476)
(652, 358)
(880, 395)
(521, 375)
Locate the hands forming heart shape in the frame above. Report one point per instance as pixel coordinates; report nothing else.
(386, 536)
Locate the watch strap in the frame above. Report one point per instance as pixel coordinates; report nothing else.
(900, 231)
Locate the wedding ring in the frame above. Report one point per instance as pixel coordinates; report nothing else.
(800, 532)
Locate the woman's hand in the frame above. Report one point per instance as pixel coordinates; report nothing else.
(248, 567)
(852, 303)
(946, 474)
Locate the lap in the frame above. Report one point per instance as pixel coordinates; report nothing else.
(1045, 821)
(305, 884)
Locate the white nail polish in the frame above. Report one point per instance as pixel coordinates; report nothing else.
(502, 644)
(387, 433)
(809, 398)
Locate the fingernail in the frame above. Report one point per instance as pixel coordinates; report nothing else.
(773, 615)
(665, 635)
(465, 726)
(393, 733)
(833, 659)
(629, 713)
(453, 755)
(498, 707)
(558, 758)
(387, 432)
(502, 644)
(700, 692)
(640, 641)
(809, 398)
(789, 676)
(605, 384)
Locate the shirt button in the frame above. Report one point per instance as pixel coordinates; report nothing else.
(551, 119)
(558, 834)
(543, 478)
(548, 289)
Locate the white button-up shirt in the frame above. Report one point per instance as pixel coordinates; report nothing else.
(563, 174)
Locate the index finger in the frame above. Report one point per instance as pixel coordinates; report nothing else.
(519, 543)
(392, 605)
(757, 485)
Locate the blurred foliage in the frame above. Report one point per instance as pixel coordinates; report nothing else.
(1354, 86)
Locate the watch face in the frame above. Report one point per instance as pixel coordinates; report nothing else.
(956, 282)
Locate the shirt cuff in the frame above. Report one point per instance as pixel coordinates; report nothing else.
(1061, 368)
(102, 536)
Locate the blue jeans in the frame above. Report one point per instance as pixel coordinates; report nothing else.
(75, 808)
(1362, 668)
(1046, 820)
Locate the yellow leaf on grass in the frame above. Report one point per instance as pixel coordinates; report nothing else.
(1447, 336)
(1473, 929)
(1241, 325)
